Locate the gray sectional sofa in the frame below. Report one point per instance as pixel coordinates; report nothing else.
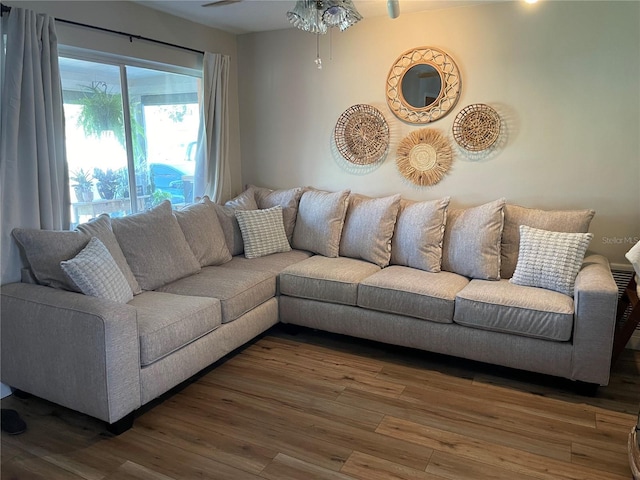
(167, 293)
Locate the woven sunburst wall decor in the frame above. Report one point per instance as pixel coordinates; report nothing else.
(476, 127)
(424, 156)
(362, 134)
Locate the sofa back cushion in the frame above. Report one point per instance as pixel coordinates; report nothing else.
(45, 249)
(320, 219)
(287, 199)
(418, 236)
(155, 246)
(102, 228)
(472, 238)
(569, 221)
(227, 216)
(201, 228)
(368, 228)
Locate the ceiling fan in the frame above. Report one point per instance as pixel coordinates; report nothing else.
(220, 3)
(393, 6)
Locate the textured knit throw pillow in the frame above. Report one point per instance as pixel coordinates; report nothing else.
(550, 260)
(96, 273)
(262, 232)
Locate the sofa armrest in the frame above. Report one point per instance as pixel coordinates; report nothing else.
(596, 299)
(78, 351)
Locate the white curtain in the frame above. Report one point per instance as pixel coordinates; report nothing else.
(34, 188)
(212, 176)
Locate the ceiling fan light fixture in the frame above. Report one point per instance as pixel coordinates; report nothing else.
(341, 14)
(317, 16)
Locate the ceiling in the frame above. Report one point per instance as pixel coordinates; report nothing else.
(248, 16)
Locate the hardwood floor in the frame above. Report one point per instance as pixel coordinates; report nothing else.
(316, 406)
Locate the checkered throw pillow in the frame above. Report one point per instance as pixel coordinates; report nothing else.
(262, 231)
(96, 273)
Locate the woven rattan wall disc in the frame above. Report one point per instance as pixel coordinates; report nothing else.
(476, 127)
(424, 156)
(362, 134)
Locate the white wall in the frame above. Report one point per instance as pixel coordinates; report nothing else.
(564, 77)
(135, 19)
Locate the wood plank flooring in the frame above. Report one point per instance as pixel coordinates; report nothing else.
(311, 405)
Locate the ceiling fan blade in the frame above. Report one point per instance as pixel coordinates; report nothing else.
(220, 3)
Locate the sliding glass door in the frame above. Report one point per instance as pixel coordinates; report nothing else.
(131, 136)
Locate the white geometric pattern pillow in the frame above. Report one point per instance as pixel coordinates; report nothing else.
(550, 260)
(96, 273)
(262, 231)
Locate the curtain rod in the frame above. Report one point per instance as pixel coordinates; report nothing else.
(6, 9)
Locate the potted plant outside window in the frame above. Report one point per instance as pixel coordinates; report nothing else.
(109, 181)
(83, 186)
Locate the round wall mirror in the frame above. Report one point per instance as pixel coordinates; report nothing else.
(423, 85)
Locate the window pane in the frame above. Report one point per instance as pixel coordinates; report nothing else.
(164, 119)
(165, 107)
(95, 139)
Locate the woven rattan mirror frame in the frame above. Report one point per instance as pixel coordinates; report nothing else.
(449, 91)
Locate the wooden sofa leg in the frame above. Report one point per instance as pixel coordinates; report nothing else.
(586, 389)
(122, 425)
(290, 328)
(21, 394)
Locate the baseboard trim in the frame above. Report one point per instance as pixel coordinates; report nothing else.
(624, 267)
(634, 341)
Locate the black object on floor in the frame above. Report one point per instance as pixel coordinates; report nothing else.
(11, 422)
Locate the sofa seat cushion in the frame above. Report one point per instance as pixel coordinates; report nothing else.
(412, 292)
(326, 279)
(168, 322)
(239, 291)
(273, 263)
(505, 307)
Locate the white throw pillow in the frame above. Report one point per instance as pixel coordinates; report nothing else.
(550, 260)
(96, 273)
(633, 256)
(262, 231)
